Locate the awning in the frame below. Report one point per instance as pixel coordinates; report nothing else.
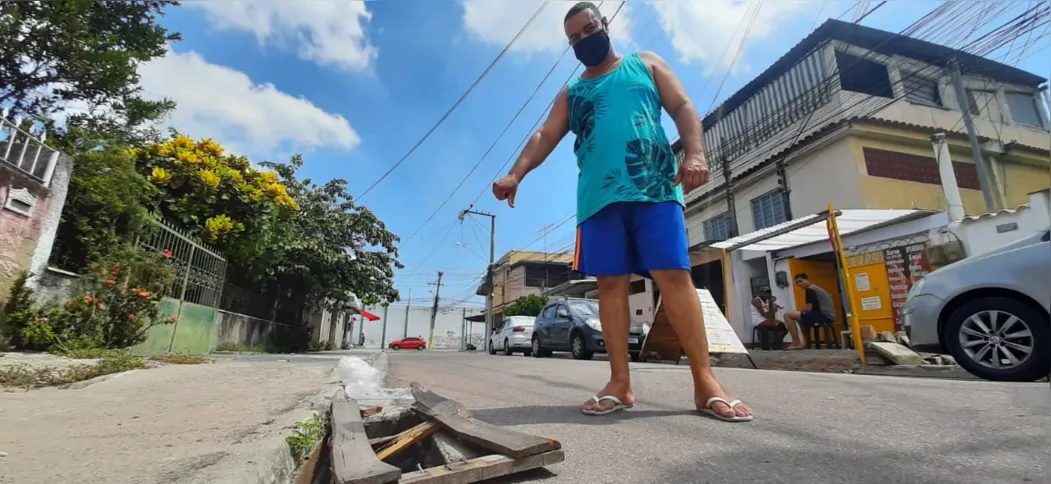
(369, 316)
(810, 229)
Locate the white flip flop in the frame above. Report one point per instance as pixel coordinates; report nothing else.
(617, 405)
(707, 410)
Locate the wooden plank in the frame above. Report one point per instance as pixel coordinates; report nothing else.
(452, 450)
(409, 437)
(368, 412)
(662, 341)
(458, 421)
(481, 469)
(353, 460)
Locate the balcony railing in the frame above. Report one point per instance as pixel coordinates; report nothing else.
(25, 151)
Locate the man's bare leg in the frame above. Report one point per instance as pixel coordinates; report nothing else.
(613, 312)
(680, 301)
(792, 319)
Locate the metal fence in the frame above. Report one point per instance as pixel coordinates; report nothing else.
(25, 150)
(199, 269)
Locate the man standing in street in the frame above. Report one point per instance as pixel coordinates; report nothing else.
(819, 310)
(629, 199)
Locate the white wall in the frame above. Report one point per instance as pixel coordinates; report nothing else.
(448, 326)
(980, 235)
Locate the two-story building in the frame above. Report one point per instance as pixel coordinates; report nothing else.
(523, 273)
(846, 116)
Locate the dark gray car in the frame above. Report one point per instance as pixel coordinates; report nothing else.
(573, 325)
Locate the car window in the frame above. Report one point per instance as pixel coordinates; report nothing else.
(586, 309)
(549, 312)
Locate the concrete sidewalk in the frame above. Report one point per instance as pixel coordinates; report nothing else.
(212, 423)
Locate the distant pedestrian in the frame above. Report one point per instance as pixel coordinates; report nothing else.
(629, 199)
(764, 310)
(819, 310)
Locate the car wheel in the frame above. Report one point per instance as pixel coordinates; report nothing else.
(420, 348)
(395, 347)
(492, 351)
(1000, 339)
(580, 351)
(537, 351)
(507, 348)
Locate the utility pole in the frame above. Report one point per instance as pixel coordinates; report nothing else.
(731, 207)
(434, 310)
(965, 108)
(488, 272)
(786, 190)
(408, 306)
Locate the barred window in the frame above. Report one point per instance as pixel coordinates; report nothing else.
(768, 210)
(717, 228)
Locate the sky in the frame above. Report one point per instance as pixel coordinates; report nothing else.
(353, 86)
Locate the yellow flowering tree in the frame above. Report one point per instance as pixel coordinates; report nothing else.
(219, 196)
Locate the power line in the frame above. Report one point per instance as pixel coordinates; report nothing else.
(501, 136)
(457, 103)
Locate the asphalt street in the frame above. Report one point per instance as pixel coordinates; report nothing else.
(810, 427)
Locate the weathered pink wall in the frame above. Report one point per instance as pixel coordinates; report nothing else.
(19, 234)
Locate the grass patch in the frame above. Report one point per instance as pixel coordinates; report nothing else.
(24, 376)
(306, 436)
(87, 354)
(238, 348)
(179, 359)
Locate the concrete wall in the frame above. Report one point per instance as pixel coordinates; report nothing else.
(985, 233)
(238, 329)
(26, 240)
(449, 326)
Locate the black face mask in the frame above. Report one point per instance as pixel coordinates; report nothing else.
(593, 49)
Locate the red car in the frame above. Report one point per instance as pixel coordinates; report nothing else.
(409, 343)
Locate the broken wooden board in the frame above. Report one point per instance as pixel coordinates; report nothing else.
(458, 420)
(662, 342)
(353, 460)
(481, 469)
(407, 438)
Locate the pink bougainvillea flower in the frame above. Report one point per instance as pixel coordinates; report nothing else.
(167, 253)
(110, 282)
(116, 266)
(175, 319)
(131, 316)
(144, 294)
(87, 299)
(134, 289)
(100, 306)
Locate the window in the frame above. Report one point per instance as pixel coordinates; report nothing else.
(585, 309)
(984, 104)
(920, 91)
(1023, 109)
(637, 287)
(549, 312)
(863, 75)
(768, 210)
(717, 228)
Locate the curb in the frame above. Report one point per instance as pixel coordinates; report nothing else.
(919, 371)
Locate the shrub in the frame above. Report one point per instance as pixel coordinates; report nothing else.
(20, 316)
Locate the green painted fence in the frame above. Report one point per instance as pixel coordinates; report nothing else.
(194, 333)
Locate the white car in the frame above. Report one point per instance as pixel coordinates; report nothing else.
(515, 334)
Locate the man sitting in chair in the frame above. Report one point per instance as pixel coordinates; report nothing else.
(819, 310)
(764, 316)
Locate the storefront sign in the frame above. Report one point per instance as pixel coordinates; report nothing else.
(905, 266)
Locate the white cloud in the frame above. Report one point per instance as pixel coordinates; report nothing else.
(701, 31)
(329, 32)
(497, 21)
(217, 102)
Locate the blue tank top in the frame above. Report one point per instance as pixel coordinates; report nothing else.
(622, 150)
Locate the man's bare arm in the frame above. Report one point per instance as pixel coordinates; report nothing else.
(677, 104)
(544, 141)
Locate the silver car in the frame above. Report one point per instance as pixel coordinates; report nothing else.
(991, 312)
(515, 335)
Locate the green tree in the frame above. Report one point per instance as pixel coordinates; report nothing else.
(60, 51)
(530, 305)
(104, 208)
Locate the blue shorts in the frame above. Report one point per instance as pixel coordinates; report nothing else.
(810, 319)
(633, 238)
